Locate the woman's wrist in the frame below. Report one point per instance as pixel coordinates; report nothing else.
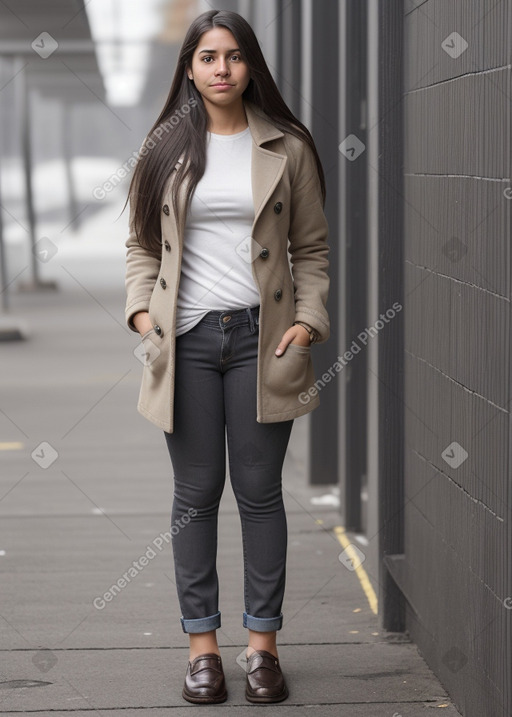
(313, 336)
(142, 322)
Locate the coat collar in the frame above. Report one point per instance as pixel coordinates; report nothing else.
(262, 129)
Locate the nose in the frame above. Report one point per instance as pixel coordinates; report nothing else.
(222, 68)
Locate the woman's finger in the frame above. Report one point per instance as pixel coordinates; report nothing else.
(292, 333)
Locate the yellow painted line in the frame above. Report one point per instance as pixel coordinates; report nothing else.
(359, 571)
(11, 446)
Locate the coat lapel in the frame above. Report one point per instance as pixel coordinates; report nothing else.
(267, 166)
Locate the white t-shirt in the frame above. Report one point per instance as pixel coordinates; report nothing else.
(216, 270)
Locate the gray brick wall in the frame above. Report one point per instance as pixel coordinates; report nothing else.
(457, 517)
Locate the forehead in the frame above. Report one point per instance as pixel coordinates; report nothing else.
(217, 38)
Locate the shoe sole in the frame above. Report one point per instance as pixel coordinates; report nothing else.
(266, 698)
(205, 699)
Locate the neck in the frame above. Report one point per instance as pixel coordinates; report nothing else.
(227, 120)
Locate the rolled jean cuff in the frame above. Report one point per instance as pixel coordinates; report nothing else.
(263, 624)
(201, 624)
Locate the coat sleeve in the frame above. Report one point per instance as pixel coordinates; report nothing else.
(141, 274)
(308, 247)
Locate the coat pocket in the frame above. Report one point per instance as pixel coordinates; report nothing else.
(290, 374)
(152, 353)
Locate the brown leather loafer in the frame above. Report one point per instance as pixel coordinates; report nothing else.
(204, 681)
(264, 680)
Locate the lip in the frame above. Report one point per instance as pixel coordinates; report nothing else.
(222, 84)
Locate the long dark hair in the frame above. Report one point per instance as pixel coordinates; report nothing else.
(181, 128)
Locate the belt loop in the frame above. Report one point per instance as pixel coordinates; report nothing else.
(251, 319)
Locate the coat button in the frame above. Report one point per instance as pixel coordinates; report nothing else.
(278, 207)
(163, 283)
(264, 253)
(165, 209)
(158, 330)
(278, 294)
(167, 245)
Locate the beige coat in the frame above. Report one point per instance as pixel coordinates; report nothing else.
(287, 205)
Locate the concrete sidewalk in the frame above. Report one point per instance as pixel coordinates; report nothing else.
(72, 527)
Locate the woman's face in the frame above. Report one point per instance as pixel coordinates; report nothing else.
(218, 70)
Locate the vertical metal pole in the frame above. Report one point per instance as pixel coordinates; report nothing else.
(290, 69)
(342, 268)
(386, 26)
(3, 266)
(373, 279)
(266, 25)
(306, 110)
(354, 302)
(245, 10)
(323, 61)
(67, 151)
(24, 112)
(10, 329)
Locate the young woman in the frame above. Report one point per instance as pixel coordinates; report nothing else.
(227, 191)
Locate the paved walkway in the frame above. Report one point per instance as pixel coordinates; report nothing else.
(85, 491)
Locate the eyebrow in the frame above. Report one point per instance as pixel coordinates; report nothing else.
(214, 51)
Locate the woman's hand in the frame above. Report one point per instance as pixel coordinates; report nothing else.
(142, 322)
(296, 334)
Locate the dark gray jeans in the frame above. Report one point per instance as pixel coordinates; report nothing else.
(215, 392)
